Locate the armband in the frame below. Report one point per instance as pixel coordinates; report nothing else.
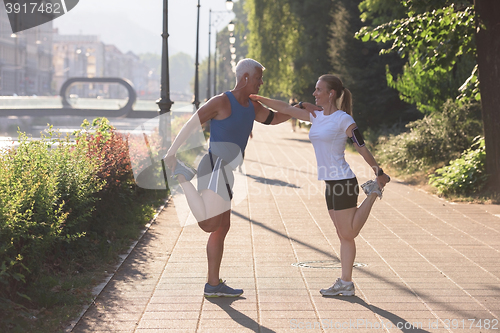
(357, 138)
(269, 118)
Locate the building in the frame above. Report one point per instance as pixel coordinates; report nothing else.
(87, 56)
(25, 59)
(78, 56)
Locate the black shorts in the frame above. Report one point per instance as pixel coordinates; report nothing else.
(341, 194)
(216, 175)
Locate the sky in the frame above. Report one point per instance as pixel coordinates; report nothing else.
(136, 26)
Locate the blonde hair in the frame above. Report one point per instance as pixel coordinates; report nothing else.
(343, 96)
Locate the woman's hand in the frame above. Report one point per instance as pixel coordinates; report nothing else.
(170, 160)
(383, 179)
(255, 98)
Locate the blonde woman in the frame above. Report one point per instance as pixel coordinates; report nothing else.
(329, 132)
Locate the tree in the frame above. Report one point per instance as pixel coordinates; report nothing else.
(437, 40)
(362, 70)
(439, 34)
(274, 41)
(297, 41)
(181, 72)
(488, 59)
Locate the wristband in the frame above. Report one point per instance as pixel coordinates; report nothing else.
(301, 106)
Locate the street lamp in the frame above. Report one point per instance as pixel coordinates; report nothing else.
(164, 102)
(230, 27)
(229, 5)
(209, 33)
(16, 79)
(196, 100)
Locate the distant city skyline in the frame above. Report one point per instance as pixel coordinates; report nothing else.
(137, 27)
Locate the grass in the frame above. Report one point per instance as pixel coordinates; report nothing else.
(60, 292)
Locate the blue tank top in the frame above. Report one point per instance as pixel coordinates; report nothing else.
(231, 134)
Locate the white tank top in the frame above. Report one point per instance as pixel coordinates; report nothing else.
(328, 137)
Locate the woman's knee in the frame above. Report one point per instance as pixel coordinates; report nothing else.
(347, 235)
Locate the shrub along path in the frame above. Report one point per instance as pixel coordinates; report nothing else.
(423, 261)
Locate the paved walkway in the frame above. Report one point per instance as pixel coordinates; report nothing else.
(423, 262)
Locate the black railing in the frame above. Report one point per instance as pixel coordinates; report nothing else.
(67, 109)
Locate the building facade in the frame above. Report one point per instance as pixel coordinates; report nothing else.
(86, 56)
(25, 59)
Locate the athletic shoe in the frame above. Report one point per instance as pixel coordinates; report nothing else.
(339, 288)
(221, 290)
(183, 169)
(370, 187)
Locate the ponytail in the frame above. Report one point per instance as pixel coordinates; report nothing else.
(346, 101)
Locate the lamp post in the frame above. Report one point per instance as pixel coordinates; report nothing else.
(164, 102)
(196, 100)
(209, 33)
(232, 49)
(230, 27)
(16, 74)
(215, 65)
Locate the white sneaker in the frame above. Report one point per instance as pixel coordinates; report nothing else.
(339, 288)
(370, 187)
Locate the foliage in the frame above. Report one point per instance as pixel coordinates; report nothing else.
(274, 41)
(435, 35)
(362, 70)
(45, 193)
(429, 89)
(65, 205)
(381, 11)
(437, 138)
(289, 38)
(110, 150)
(464, 175)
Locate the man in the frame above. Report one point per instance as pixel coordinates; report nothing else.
(231, 117)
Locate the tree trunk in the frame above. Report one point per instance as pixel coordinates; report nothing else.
(488, 59)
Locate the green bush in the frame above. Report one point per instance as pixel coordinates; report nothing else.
(435, 139)
(68, 206)
(464, 175)
(47, 188)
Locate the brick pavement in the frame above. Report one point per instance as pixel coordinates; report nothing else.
(422, 261)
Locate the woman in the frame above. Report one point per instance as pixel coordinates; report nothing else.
(328, 134)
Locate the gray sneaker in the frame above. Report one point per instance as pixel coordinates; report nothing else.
(221, 290)
(183, 169)
(339, 288)
(371, 186)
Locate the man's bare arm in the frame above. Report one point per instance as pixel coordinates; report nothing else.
(208, 111)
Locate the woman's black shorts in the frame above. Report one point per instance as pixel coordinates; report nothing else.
(341, 194)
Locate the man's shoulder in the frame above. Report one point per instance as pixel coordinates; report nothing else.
(220, 98)
(218, 101)
(220, 105)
